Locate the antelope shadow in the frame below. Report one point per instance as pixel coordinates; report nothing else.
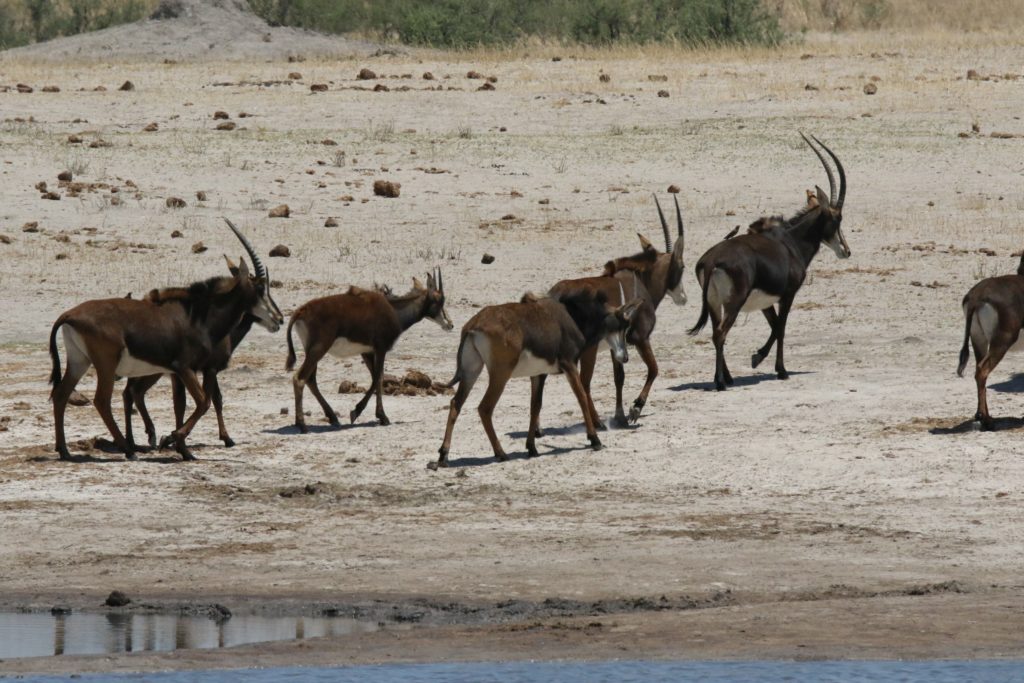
(743, 381)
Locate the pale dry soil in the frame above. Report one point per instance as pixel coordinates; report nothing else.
(820, 505)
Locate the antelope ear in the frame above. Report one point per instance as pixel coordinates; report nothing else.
(609, 268)
(231, 265)
(645, 243)
(758, 225)
(812, 199)
(243, 269)
(822, 197)
(417, 284)
(630, 309)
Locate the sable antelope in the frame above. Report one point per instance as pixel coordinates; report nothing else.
(141, 337)
(994, 313)
(364, 322)
(136, 388)
(767, 266)
(533, 338)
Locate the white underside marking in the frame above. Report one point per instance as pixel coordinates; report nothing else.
(529, 366)
(129, 366)
(343, 348)
(758, 301)
(984, 325)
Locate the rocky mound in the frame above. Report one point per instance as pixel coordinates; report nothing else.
(194, 30)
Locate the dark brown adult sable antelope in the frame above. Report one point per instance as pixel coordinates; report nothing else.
(136, 388)
(141, 337)
(647, 276)
(532, 338)
(767, 266)
(994, 312)
(364, 322)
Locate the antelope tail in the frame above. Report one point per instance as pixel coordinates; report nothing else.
(55, 354)
(704, 310)
(964, 352)
(289, 363)
(458, 363)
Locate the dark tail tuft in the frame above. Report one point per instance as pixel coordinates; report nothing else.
(54, 354)
(458, 363)
(289, 364)
(704, 310)
(964, 352)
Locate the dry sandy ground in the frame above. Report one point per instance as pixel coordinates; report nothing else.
(858, 477)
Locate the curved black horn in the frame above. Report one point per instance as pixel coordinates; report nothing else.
(842, 175)
(261, 270)
(828, 169)
(440, 282)
(679, 217)
(664, 225)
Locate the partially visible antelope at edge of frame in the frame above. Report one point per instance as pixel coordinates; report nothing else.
(136, 387)
(537, 336)
(138, 337)
(994, 316)
(360, 322)
(767, 266)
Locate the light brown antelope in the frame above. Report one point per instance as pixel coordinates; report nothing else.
(136, 387)
(135, 338)
(994, 316)
(364, 322)
(533, 338)
(767, 266)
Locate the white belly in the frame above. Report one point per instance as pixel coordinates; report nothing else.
(343, 348)
(129, 366)
(758, 301)
(530, 366)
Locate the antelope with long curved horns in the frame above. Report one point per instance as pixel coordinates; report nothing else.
(536, 337)
(364, 322)
(767, 266)
(141, 337)
(994, 313)
(136, 387)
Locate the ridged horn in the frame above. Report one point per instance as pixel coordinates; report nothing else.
(664, 225)
(842, 174)
(828, 169)
(679, 219)
(261, 271)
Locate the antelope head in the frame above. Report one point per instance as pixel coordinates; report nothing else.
(674, 276)
(831, 204)
(617, 323)
(266, 312)
(434, 300)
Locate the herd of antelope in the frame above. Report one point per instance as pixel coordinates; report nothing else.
(184, 331)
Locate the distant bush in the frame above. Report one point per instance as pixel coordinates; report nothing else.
(28, 21)
(465, 23)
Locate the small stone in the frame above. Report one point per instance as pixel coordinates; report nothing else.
(281, 251)
(281, 211)
(605, 78)
(973, 75)
(66, 176)
(22, 88)
(870, 88)
(810, 87)
(284, 411)
(295, 76)
(62, 256)
(226, 125)
(380, 87)
(318, 87)
(175, 203)
(386, 188)
(328, 142)
(663, 93)
(175, 234)
(508, 217)
(31, 226)
(74, 139)
(427, 76)
(97, 144)
(673, 189)
(4, 239)
(41, 186)
(51, 88)
(487, 259)
(544, 201)
(151, 128)
(657, 78)
(199, 248)
(218, 115)
(331, 223)
(486, 86)
(127, 86)
(117, 599)
(366, 75)
(201, 196)
(51, 195)
(474, 75)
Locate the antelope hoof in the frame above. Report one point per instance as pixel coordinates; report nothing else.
(152, 439)
(228, 441)
(634, 414)
(353, 416)
(621, 421)
(334, 421)
(595, 443)
(782, 374)
(755, 360)
(383, 421)
(301, 426)
(64, 453)
(166, 441)
(531, 451)
(538, 433)
(987, 424)
(719, 385)
(130, 455)
(187, 456)
(501, 457)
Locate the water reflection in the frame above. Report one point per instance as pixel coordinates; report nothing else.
(39, 635)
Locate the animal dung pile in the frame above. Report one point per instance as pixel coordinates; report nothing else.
(281, 211)
(415, 383)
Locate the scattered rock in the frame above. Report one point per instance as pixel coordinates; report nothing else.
(386, 188)
(175, 203)
(331, 223)
(281, 211)
(201, 196)
(1001, 136)
(4, 239)
(673, 189)
(348, 387)
(973, 75)
(295, 76)
(281, 251)
(474, 75)
(427, 76)
(544, 201)
(51, 88)
(418, 379)
(366, 75)
(77, 398)
(328, 142)
(486, 86)
(31, 226)
(65, 176)
(199, 248)
(810, 87)
(127, 86)
(151, 128)
(51, 195)
(380, 87)
(663, 93)
(22, 88)
(487, 259)
(509, 217)
(97, 144)
(226, 125)
(870, 88)
(657, 78)
(41, 186)
(217, 115)
(318, 87)
(175, 234)
(604, 78)
(61, 256)
(117, 599)
(975, 127)
(556, 59)
(74, 139)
